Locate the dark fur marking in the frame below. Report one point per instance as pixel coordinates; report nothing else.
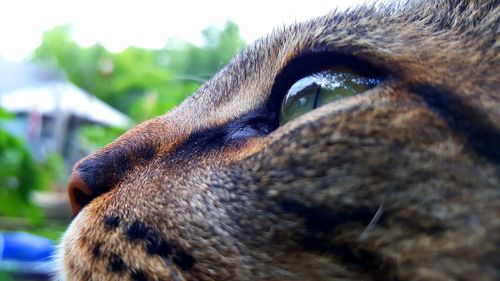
(116, 264)
(86, 275)
(319, 219)
(256, 123)
(356, 259)
(137, 230)
(146, 152)
(138, 275)
(184, 260)
(157, 246)
(482, 136)
(111, 221)
(96, 250)
(165, 248)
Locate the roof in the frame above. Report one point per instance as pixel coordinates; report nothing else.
(27, 87)
(15, 75)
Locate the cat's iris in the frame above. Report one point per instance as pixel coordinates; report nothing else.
(320, 88)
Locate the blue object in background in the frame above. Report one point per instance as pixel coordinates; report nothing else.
(21, 246)
(26, 254)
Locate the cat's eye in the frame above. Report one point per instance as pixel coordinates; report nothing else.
(320, 88)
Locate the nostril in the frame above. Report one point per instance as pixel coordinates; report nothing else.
(102, 171)
(79, 193)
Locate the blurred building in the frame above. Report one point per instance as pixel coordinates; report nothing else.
(49, 110)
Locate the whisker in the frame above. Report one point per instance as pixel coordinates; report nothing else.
(364, 235)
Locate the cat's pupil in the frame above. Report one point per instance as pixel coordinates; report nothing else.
(320, 88)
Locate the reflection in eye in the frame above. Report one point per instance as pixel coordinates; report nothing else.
(321, 88)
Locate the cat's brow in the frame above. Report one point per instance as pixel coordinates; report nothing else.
(481, 134)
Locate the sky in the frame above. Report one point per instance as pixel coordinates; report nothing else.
(145, 23)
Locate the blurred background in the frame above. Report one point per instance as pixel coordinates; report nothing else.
(74, 75)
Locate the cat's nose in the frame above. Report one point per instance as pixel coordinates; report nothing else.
(103, 170)
(79, 193)
(96, 175)
(100, 172)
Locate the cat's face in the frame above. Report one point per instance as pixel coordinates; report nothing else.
(243, 181)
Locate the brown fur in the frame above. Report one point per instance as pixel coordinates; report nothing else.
(399, 183)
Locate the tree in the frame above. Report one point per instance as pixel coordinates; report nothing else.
(142, 83)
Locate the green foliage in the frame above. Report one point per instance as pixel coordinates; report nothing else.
(5, 115)
(142, 83)
(20, 175)
(93, 136)
(52, 231)
(202, 62)
(6, 276)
